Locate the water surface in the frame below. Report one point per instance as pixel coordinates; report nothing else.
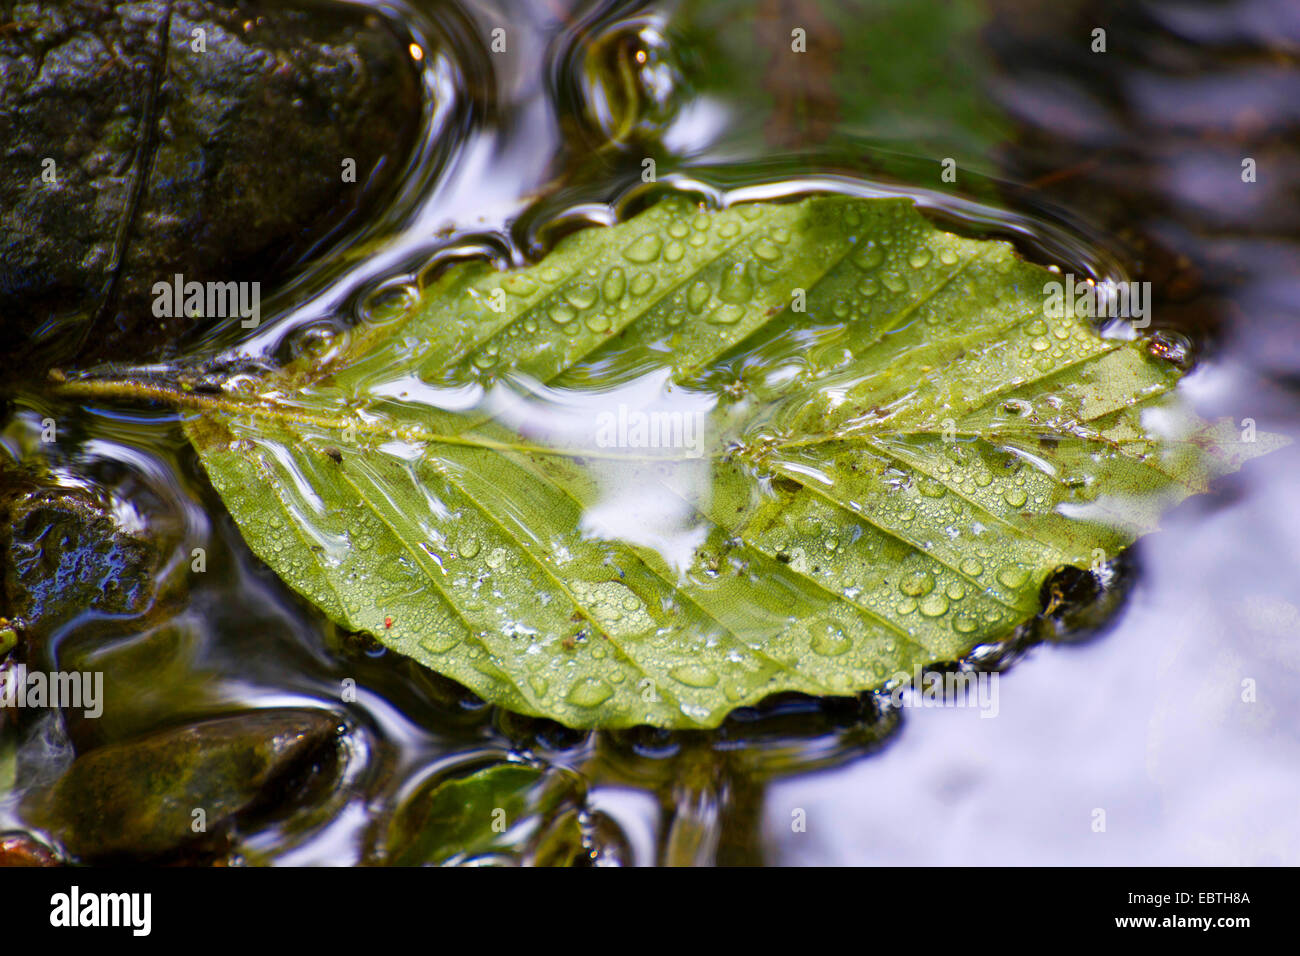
(1127, 166)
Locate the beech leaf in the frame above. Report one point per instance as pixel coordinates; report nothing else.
(700, 457)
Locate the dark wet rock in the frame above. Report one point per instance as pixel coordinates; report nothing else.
(141, 798)
(61, 554)
(222, 165)
(19, 849)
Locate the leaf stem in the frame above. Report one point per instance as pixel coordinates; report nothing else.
(180, 398)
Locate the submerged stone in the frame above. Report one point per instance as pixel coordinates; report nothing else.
(19, 849)
(185, 786)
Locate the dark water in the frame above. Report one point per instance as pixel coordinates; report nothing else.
(1118, 164)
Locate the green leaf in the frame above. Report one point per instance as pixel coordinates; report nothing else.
(8, 765)
(878, 480)
(506, 812)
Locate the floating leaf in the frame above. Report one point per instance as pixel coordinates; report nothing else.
(504, 813)
(701, 457)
